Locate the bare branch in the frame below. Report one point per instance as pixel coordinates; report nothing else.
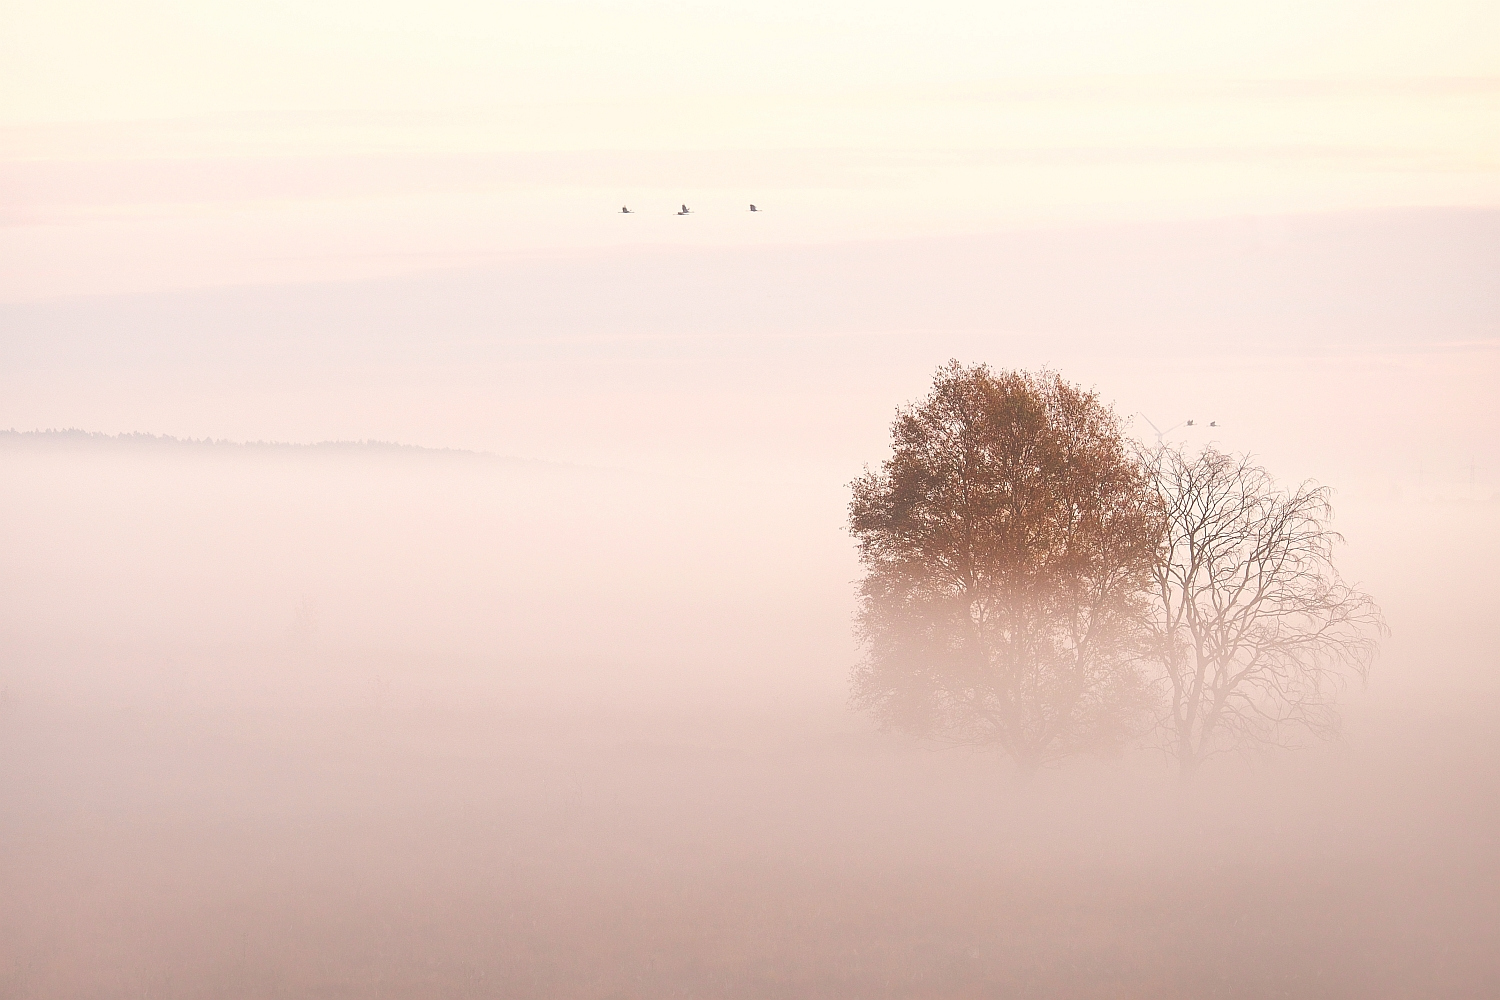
(1253, 629)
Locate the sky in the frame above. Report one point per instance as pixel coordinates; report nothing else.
(162, 145)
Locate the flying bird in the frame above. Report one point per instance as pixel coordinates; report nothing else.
(1191, 422)
(754, 209)
(1213, 423)
(685, 211)
(625, 210)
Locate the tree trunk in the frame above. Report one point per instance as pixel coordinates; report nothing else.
(1026, 766)
(1187, 762)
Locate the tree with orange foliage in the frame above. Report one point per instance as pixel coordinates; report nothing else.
(1008, 544)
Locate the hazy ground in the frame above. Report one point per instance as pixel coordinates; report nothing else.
(405, 845)
(358, 723)
(485, 762)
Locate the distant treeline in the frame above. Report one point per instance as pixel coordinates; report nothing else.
(73, 436)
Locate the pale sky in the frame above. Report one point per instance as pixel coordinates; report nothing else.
(161, 144)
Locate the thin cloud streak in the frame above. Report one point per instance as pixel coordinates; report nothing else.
(33, 186)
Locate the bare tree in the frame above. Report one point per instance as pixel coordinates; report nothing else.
(1254, 629)
(1008, 545)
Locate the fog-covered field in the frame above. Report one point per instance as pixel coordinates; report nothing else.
(565, 715)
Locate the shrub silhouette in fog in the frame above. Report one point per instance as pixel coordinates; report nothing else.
(1007, 543)
(1252, 626)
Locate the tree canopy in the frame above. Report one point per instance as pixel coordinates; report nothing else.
(1253, 628)
(1007, 543)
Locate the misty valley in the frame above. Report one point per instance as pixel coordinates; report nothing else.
(377, 722)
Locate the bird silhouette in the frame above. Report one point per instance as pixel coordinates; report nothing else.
(754, 209)
(1191, 422)
(625, 210)
(685, 211)
(1213, 423)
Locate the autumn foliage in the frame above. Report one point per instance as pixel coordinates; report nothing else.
(1008, 543)
(1038, 583)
